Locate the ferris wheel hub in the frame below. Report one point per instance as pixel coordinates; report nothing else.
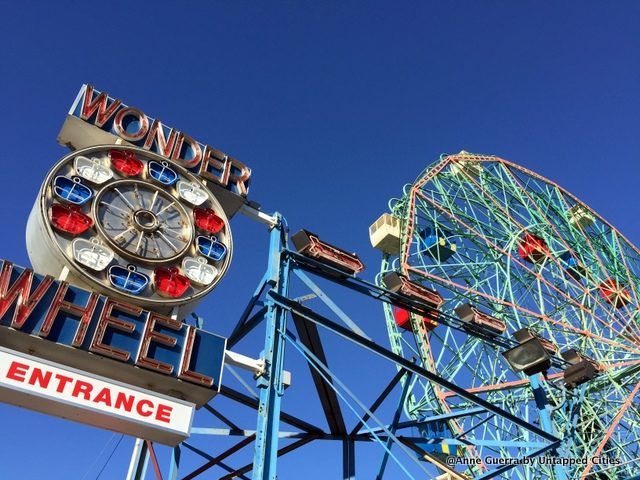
(145, 221)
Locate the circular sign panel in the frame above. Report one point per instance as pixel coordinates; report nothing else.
(130, 224)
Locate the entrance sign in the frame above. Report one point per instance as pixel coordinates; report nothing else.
(129, 232)
(47, 387)
(110, 337)
(95, 118)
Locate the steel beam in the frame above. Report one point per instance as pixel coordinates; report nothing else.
(253, 403)
(139, 461)
(348, 460)
(270, 382)
(403, 362)
(216, 460)
(308, 335)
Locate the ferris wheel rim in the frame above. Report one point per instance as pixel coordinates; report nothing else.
(620, 341)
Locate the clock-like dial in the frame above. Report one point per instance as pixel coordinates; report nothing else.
(142, 221)
(130, 224)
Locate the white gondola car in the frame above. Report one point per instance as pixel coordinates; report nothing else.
(192, 192)
(92, 169)
(465, 169)
(92, 254)
(384, 234)
(580, 217)
(199, 271)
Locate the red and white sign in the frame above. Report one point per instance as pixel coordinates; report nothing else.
(52, 388)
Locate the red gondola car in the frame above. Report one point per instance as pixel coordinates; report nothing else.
(614, 293)
(532, 248)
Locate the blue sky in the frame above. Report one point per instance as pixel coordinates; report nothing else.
(335, 106)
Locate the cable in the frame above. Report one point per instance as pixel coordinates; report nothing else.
(109, 457)
(99, 455)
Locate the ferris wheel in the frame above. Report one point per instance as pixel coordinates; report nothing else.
(510, 255)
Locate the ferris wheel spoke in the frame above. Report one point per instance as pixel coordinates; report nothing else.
(153, 200)
(631, 281)
(121, 235)
(546, 220)
(124, 199)
(167, 241)
(458, 361)
(594, 254)
(533, 314)
(482, 206)
(504, 252)
(156, 250)
(137, 196)
(122, 213)
(165, 208)
(174, 233)
(521, 190)
(172, 215)
(611, 427)
(518, 303)
(139, 242)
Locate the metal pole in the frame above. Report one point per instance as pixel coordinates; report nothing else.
(348, 459)
(175, 463)
(270, 381)
(544, 410)
(394, 425)
(139, 461)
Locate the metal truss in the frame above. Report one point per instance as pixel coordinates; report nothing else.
(304, 332)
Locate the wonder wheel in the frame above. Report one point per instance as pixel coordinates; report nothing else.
(510, 256)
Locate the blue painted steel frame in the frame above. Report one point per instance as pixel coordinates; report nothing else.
(271, 301)
(270, 381)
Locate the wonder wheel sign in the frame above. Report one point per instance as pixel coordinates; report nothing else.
(126, 222)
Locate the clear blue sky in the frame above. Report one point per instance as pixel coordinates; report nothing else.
(335, 105)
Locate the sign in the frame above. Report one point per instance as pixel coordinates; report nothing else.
(95, 333)
(127, 223)
(57, 390)
(96, 118)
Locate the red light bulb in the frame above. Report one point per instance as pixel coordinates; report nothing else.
(125, 162)
(170, 283)
(69, 219)
(207, 220)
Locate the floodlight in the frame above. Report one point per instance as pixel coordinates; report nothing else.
(529, 357)
(581, 370)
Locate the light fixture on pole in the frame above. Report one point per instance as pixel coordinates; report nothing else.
(581, 370)
(530, 356)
